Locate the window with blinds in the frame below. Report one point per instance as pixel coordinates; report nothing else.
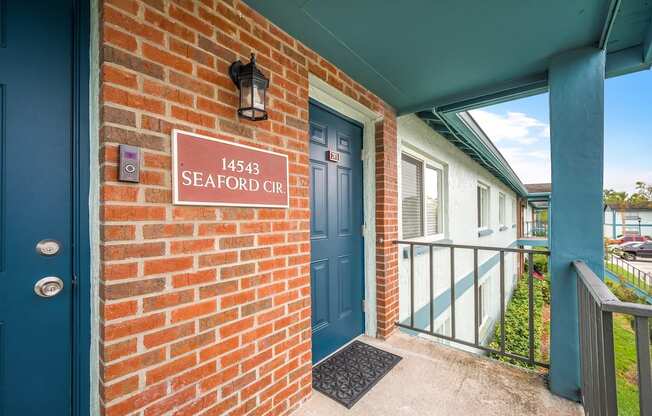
(411, 197)
(483, 206)
(501, 209)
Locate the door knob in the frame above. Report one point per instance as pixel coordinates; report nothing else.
(48, 286)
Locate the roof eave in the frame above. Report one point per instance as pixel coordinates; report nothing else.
(464, 132)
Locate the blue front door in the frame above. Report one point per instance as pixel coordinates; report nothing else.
(36, 96)
(336, 266)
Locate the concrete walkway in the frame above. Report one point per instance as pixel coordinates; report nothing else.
(433, 379)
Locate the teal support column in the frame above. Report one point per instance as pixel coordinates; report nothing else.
(576, 81)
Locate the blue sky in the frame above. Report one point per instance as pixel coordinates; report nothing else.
(520, 130)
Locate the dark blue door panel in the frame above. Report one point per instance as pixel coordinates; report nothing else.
(36, 75)
(336, 231)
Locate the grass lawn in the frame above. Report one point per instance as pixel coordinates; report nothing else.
(628, 276)
(625, 350)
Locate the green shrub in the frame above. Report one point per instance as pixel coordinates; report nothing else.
(545, 292)
(540, 263)
(624, 293)
(516, 322)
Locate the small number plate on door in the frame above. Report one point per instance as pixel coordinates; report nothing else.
(332, 156)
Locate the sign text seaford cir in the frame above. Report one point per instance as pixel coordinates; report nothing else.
(208, 171)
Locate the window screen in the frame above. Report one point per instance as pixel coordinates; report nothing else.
(411, 197)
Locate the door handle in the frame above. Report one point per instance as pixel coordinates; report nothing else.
(48, 287)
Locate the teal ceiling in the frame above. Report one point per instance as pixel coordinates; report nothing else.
(421, 54)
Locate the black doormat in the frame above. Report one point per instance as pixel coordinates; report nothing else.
(351, 372)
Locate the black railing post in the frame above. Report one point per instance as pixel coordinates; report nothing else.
(609, 362)
(592, 362)
(476, 325)
(582, 313)
(601, 344)
(411, 284)
(502, 301)
(643, 358)
(453, 292)
(432, 291)
(530, 283)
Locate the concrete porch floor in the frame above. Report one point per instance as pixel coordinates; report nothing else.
(433, 379)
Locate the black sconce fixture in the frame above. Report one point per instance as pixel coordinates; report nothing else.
(252, 85)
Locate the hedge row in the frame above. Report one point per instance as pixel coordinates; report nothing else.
(516, 321)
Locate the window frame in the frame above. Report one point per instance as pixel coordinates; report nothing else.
(428, 163)
(502, 210)
(487, 225)
(440, 208)
(422, 213)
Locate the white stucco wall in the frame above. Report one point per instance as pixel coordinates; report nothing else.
(632, 224)
(461, 177)
(527, 217)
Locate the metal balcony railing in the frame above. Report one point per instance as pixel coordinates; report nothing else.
(409, 324)
(535, 229)
(596, 305)
(629, 273)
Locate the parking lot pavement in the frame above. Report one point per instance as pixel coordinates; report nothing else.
(643, 265)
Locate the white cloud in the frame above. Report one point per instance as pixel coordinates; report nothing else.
(524, 142)
(513, 126)
(531, 165)
(522, 139)
(625, 179)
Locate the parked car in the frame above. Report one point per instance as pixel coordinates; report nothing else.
(635, 251)
(627, 238)
(617, 249)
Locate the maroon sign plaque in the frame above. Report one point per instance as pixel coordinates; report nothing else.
(208, 171)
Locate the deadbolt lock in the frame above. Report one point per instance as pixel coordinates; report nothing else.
(48, 247)
(48, 287)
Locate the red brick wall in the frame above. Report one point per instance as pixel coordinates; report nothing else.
(386, 224)
(209, 308)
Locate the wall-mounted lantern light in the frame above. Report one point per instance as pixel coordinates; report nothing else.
(253, 86)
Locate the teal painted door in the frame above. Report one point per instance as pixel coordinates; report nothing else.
(336, 267)
(36, 72)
